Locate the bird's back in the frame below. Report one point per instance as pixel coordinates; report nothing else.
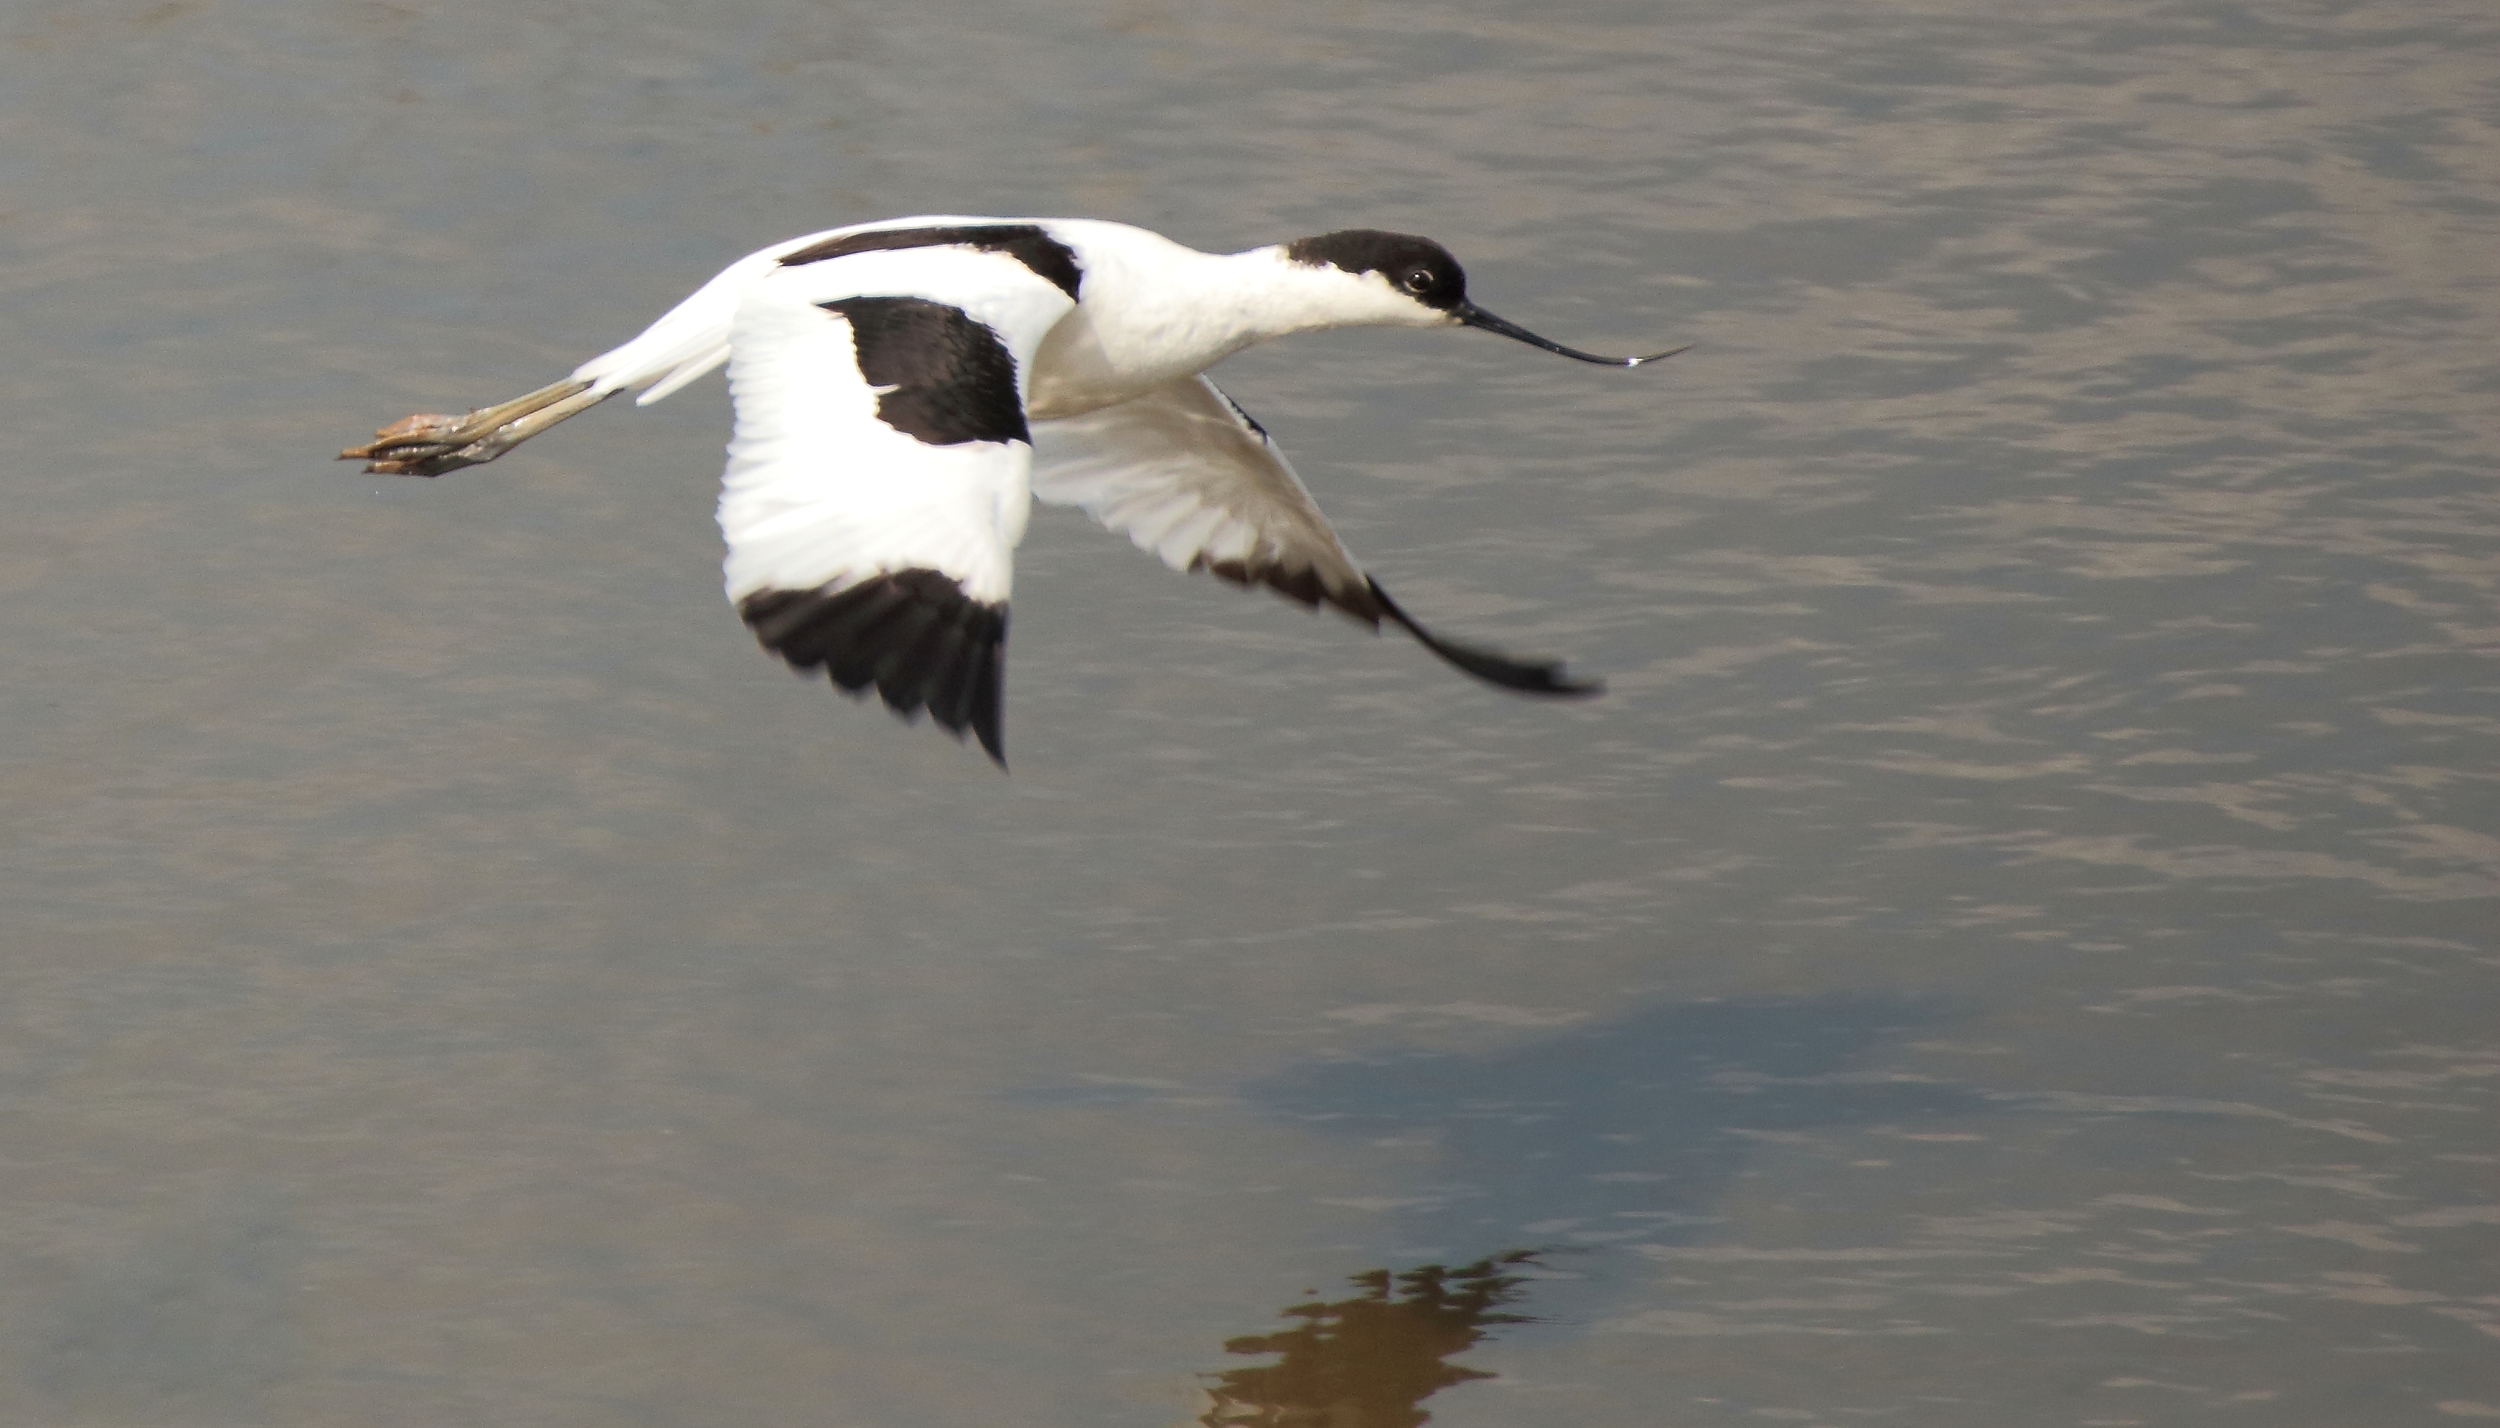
(1148, 309)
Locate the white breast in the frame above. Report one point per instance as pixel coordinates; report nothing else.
(1149, 310)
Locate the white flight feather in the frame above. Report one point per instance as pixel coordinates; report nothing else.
(1184, 475)
(820, 491)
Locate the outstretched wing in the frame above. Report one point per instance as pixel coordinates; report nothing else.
(1187, 475)
(878, 478)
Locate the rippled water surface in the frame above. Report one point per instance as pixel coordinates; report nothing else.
(2016, 946)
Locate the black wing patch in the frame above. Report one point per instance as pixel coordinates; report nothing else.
(953, 380)
(1298, 583)
(913, 634)
(1051, 260)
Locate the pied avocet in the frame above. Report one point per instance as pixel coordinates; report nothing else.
(904, 388)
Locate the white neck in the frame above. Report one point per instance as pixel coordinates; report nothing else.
(1153, 311)
(1268, 295)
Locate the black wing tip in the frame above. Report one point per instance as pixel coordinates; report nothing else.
(912, 635)
(1543, 678)
(1547, 679)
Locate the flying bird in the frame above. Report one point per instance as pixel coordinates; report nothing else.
(904, 389)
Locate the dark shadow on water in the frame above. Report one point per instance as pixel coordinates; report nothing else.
(1370, 1361)
(1629, 1128)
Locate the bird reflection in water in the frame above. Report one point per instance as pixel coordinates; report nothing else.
(1370, 1361)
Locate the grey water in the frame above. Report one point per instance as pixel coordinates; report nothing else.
(2015, 946)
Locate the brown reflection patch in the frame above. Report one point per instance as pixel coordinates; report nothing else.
(1371, 1360)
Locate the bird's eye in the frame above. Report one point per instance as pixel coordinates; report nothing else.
(1417, 281)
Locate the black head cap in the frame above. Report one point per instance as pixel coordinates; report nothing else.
(1417, 267)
